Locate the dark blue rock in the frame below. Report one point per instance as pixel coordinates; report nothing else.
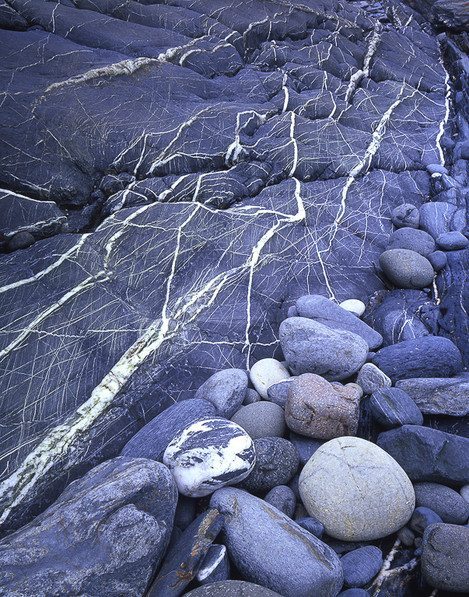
(452, 241)
(215, 566)
(306, 446)
(185, 512)
(282, 498)
(226, 390)
(406, 536)
(392, 407)
(406, 268)
(422, 518)
(105, 535)
(185, 557)
(153, 439)
(438, 260)
(413, 239)
(447, 503)
(232, 588)
(405, 215)
(278, 393)
(430, 356)
(20, 240)
(325, 311)
(436, 217)
(428, 454)
(251, 396)
(270, 549)
(312, 525)
(354, 593)
(361, 565)
(277, 461)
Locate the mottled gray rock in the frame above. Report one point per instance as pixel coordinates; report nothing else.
(282, 498)
(439, 396)
(450, 506)
(321, 410)
(406, 269)
(405, 215)
(393, 407)
(370, 378)
(232, 588)
(428, 454)
(452, 241)
(430, 356)
(276, 463)
(226, 390)
(261, 419)
(422, 518)
(306, 446)
(361, 565)
(278, 393)
(152, 440)
(350, 479)
(311, 347)
(444, 557)
(209, 454)
(325, 311)
(265, 373)
(186, 555)
(215, 566)
(104, 536)
(413, 240)
(269, 548)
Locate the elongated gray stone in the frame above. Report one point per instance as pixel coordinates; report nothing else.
(439, 396)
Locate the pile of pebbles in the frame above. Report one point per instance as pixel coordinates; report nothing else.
(304, 498)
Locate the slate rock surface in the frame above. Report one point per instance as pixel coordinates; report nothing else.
(439, 396)
(278, 393)
(450, 506)
(209, 454)
(153, 439)
(123, 508)
(270, 549)
(428, 454)
(311, 347)
(444, 557)
(356, 490)
(226, 390)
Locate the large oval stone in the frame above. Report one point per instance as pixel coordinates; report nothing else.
(209, 454)
(356, 490)
(406, 269)
(311, 347)
(270, 549)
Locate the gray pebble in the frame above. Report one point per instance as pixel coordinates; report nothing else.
(406, 269)
(450, 506)
(412, 239)
(405, 215)
(370, 378)
(225, 390)
(261, 419)
(282, 498)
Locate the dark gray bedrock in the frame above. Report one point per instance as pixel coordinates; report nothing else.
(116, 278)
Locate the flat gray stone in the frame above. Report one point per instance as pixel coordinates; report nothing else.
(356, 490)
(439, 396)
(226, 390)
(311, 347)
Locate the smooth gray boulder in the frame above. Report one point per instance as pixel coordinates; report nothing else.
(406, 269)
(226, 390)
(413, 240)
(450, 506)
(439, 396)
(105, 535)
(356, 490)
(444, 557)
(269, 548)
(311, 347)
(261, 419)
(325, 311)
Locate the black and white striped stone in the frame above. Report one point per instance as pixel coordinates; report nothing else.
(209, 454)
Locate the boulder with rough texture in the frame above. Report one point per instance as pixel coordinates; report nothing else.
(356, 490)
(226, 390)
(321, 410)
(428, 454)
(431, 356)
(266, 373)
(406, 269)
(325, 311)
(444, 557)
(311, 347)
(105, 535)
(209, 454)
(269, 548)
(439, 396)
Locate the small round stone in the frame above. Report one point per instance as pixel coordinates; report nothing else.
(412, 239)
(405, 215)
(452, 241)
(406, 269)
(354, 306)
(225, 390)
(266, 373)
(278, 393)
(261, 419)
(438, 260)
(406, 536)
(370, 378)
(422, 518)
(276, 463)
(251, 396)
(232, 588)
(209, 454)
(356, 490)
(312, 525)
(282, 498)
(361, 565)
(450, 506)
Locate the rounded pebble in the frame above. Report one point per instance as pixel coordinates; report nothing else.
(361, 565)
(225, 390)
(353, 480)
(265, 373)
(452, 241)
(312, 525)
(232, 588)
(406, 269)
(261, 419)
(438, 260)
(405, 215)
(450, 506)
(422, 518)
(278, 393)
(412, 239)
(354, 306)
(282, 498)
(370, 378)
(20, 240)
(250, 397)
